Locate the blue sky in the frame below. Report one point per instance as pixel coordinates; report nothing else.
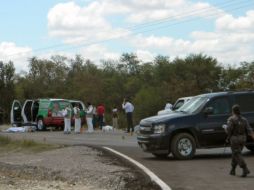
(28, 26)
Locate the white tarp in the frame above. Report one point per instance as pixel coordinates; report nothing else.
(107, 128)
(20, 129)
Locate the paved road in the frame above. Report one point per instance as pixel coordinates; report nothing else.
(208, 170)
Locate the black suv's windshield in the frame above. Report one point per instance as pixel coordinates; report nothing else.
(193, 105)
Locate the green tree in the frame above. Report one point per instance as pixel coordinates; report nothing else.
(7, 86)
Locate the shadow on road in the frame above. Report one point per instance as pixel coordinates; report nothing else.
(207, 156)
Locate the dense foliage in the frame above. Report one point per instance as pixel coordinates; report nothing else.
(149, 85)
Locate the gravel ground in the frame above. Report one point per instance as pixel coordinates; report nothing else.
(75, 167)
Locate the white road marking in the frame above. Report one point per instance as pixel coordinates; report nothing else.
(153, 177)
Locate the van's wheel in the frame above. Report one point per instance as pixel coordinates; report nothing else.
(164, 155)
(183, 146)
(40, 124)
(250, 147)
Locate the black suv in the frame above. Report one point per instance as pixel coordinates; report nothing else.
(197, 124)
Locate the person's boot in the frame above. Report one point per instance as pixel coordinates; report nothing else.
(232, 171)
(245, 171)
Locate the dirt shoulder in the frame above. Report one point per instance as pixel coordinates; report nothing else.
(74, 167)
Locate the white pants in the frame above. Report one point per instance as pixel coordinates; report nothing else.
(67, 125)
(89, 121)
(115, 122)
(77, 125)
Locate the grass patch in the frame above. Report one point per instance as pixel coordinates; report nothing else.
(9, 145)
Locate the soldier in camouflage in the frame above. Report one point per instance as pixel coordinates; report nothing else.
(238, 129)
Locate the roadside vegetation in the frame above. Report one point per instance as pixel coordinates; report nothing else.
(9, 145)
(148, 84)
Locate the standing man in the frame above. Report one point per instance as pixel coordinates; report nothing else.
(76, 111)
(100, 114)
(89, 117)
(129, 108)
(115, 118)
(67, 119)
(238, 129)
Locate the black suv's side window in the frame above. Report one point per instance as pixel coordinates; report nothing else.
(220, 106)
(246, 102)
(178, 104)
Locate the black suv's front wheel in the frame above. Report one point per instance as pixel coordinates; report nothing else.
(183, 146)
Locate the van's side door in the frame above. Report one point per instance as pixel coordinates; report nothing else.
(16, 118)
(212, 133)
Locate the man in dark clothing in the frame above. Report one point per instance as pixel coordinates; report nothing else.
(238, 129)
(100, 114)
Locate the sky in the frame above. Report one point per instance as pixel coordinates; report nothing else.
(104, 29)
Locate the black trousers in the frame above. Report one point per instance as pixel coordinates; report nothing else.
(100, 121)
(129, 122)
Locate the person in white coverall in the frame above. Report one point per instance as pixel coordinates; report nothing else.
(76, 111)
(67, 119)
(168, 106)
(89, 117)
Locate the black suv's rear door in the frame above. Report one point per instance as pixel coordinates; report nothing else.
(212, 133)
(246, 102)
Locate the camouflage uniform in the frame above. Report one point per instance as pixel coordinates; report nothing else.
(238, 129)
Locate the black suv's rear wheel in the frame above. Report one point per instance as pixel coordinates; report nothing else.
(250, 147)
(40, 124)
(183, 146)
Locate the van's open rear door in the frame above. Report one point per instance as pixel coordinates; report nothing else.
(16, 118)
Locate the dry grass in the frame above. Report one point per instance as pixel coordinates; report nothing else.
(9, 145)
(4, 127)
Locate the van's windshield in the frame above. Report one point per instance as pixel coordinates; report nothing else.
(193, 104)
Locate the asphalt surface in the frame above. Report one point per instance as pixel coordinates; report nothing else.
(207, 170)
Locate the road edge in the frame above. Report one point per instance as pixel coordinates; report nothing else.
(148, 172)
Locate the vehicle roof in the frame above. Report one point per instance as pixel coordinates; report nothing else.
(185, 98)
(52, 99)
(75, 101)
(215, 94)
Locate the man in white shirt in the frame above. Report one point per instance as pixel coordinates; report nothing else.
(129, 108)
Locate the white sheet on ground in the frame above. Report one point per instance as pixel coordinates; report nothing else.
(107, 128)
(20, 129)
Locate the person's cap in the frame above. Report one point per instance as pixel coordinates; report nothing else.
(236, 109)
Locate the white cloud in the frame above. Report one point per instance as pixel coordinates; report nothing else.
(163, 44)
(98, 52)
(95, 53)
(19, 55)
(145, 56)
(76, 24)
(144, 11)
(240, 24)
(230, 42)
(81, 25)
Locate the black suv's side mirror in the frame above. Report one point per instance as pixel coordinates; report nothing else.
(208, 111)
